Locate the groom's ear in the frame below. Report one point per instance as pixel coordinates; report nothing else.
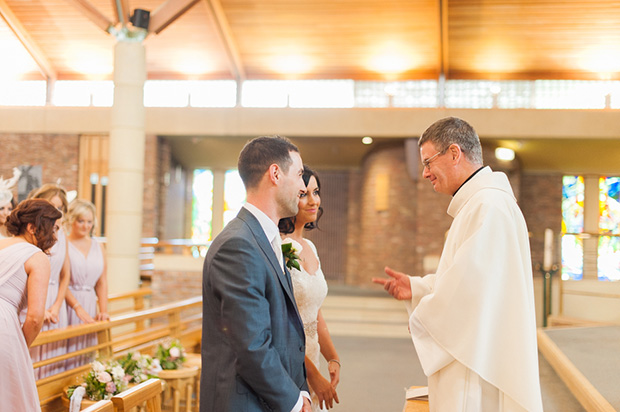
(274, 173)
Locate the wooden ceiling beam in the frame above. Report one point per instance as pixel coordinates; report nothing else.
(167, 13)
(28, 42)
(223, 29)
(94, 15)
(122, 10)
(444, 66)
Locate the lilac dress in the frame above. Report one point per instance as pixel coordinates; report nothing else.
(85, 272)
(18, 390)
(49, 350)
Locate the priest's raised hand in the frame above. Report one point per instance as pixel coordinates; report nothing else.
(399, 286)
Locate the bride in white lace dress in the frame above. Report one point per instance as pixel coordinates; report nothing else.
(310, 289)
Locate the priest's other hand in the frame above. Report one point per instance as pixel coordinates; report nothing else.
(398, 286)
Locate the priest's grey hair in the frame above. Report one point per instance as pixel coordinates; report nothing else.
(450, 130)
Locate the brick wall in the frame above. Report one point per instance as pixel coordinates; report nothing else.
(164, 158)
(331, 237)
(170, 286)
(386, 236)
(541, 203)
(409, 235)
(150, 202)
(57, 154)
(354, 223)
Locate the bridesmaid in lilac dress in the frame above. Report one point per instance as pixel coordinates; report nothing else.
(56, 310)
(88, 286)
(24, 275)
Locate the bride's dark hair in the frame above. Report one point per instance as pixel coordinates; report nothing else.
(287, 224)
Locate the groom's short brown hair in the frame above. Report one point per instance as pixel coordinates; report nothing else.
(260, 153)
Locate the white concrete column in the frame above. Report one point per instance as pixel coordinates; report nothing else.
(590, 225)
(126, 167)
(217, 220)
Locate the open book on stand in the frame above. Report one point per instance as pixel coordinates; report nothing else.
(418, 393)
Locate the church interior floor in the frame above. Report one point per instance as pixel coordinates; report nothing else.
(378, 358)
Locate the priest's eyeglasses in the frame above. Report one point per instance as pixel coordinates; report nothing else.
(427, 163)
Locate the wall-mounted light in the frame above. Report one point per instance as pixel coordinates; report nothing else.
(504, 153)
(94, 179)
(367, 140)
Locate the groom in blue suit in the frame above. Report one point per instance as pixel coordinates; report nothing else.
(253, 343)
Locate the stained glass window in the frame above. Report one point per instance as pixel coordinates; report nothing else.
(202, 205)
(573, 192)
(609, 225)
(234, 195)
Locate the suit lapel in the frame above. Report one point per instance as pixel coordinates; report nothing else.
(265, 246)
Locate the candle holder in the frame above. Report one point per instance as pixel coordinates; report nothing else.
(547, 275)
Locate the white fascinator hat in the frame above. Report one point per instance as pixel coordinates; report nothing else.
(6, 186)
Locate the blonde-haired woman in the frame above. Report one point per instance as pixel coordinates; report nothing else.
(88, 287)
(55, 308)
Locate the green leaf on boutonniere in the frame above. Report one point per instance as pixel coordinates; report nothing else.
(290, 256)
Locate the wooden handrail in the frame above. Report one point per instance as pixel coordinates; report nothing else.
(141, 292)
(186, 246)
(137, 295)
(87, 328)
(56, 335)
(111, 344)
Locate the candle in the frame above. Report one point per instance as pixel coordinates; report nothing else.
(548, 250)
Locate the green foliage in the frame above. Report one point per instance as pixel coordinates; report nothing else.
(290, 256)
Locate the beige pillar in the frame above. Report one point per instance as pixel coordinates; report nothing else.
(126, 167)
(590, 225)
(217, 220)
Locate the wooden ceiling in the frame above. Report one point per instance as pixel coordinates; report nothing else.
(318, 39)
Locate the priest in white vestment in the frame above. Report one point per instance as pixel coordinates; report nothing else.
(473, 321)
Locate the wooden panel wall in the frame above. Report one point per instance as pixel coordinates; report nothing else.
(93, 160)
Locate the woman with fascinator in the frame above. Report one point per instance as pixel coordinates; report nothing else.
(6, 200)
(310, 289)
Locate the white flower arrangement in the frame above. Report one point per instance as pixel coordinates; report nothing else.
(140, 367)
(171, 354)
(103, 381)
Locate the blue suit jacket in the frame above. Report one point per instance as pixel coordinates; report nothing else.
(253, 342)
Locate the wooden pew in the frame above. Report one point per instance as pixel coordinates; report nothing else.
(146, 256)
(148, 393)
(181, 320)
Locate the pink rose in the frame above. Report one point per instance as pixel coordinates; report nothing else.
(175, 352)
(110, 387)
(104, 377)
